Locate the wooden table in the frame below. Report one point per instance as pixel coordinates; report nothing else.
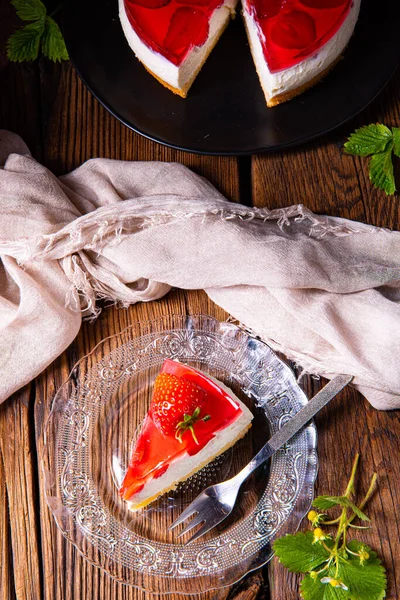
(64, 125)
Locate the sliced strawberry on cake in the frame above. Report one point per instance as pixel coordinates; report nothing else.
(173, 38)
(294, 43)
(191, 420)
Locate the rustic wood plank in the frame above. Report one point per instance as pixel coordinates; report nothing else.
(6, 571)
(323, 178)
(83, 129)
(18, 453)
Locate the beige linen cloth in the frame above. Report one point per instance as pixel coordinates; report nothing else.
(325, 291)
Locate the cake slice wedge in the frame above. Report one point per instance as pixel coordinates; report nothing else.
(295, 43)
(192, 419)
(173, 38)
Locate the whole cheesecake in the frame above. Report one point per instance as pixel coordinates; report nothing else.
(294, 43)
(192, 419)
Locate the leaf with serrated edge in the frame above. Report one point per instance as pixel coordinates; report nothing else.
(326, 502)
(367, 581)
(298, 553)
(356, 510)
(53, 45)
(24, 44)
(396, 140)
(30, 10)
(369, 140)
(313, 589)
(381, 171)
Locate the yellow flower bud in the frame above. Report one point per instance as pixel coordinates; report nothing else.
(334, 582)
(312, 516)
(364, 555)
(318, 534)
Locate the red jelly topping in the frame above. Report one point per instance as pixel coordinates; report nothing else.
(293, 30)
(171, 27)
(154, 451)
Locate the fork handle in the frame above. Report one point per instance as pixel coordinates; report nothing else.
(294, 425)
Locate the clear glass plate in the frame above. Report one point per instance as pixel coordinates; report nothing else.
(88, 438)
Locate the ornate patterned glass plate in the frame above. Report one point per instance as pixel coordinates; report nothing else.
(88, 437)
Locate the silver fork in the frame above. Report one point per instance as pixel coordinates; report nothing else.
(216, 502)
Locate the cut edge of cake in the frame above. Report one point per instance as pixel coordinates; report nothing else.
(178, 79)
(284, 85)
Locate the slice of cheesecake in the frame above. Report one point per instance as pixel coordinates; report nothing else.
(173, 38)
(192, 419)
(295, 43)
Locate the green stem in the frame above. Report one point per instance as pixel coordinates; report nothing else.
(326, 547)
(333, 522)
(322, 570)
(342, 522)
(367, 496)
(345, 525)
(350, 485)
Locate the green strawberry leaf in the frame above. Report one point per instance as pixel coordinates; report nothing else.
(327, 502)
(356, 510)
(298, 553)
(381, 171)
(43, 33)
(369, 140)
(24, 44)
(396, 140)
(53, 45)
(365, 581)
(30, 10)
(314, 589)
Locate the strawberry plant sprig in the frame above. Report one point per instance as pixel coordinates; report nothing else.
(335, 567)
(380, 143)
(40, 34)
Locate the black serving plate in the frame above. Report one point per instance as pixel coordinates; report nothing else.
(225, 112)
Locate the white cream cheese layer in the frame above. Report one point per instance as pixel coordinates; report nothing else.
(177, 76)
(281, 82)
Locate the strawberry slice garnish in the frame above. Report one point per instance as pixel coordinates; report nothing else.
(188, 27)
(177, 405)
(294, 29)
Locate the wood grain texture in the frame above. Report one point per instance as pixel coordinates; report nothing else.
(326, 180)
(64, 125)
(6, 571)
(18, 451)
(77, 123)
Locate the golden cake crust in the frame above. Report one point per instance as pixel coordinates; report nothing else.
(275, 100)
